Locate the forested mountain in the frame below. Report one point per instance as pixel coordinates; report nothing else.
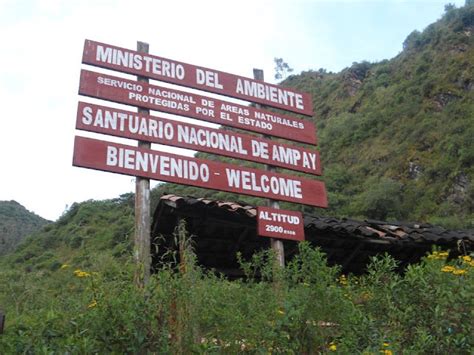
(396, 137)
(16, 222)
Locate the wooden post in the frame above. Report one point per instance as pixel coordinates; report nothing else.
(276, 244)
(142, 209)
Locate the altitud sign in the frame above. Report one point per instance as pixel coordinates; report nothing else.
(147, 163)
(282, 224)
(127, 124)
(171, 71)
(191, 105)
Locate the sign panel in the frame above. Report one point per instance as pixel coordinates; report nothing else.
(171, 71)
(282, 224)
(147, 163)
(191, 105)
(127, 124)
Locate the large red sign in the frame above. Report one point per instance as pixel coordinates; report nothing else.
(126, 124)
(282, 224)
(183, 103)
(147, 163)
(171, 71)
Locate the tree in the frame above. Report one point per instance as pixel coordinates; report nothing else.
(282, 69)
(449, 7)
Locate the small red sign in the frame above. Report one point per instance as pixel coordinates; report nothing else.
(191, 105)
(157, 165)
(281, 224)
(139, 126)
(171, 71)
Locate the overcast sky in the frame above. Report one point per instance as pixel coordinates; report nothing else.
(42, 44)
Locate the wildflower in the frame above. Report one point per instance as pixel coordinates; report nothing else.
(466, 259)
(332, 346)
(64, 266)
(386, 352)
(79, 273)
(343, 280)
(436, 255)
(459, 271)
(92, 304)
(448, 268)
(386, 344)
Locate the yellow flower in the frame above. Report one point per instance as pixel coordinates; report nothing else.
(438, 255)
(386, 344)
(467, 260)
(80, 273)
(386, 352)
(92, 304)
(64, 266)
(447, 268)
(459, 271)
(343, 280)
(332, 346)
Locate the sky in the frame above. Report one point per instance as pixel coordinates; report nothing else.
(41, 56)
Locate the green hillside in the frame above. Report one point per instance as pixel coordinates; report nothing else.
(87, 229)
(396, 137)
(16, 222)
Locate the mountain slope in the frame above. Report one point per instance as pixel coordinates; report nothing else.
(16, 222)
(400, 132)
(396, 137)
(87, 229)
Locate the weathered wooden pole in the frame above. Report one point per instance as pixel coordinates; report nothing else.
(276, 244)
(142, 209)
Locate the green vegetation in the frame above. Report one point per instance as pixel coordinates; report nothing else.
(69, 289)
(91, 306)
(16, 222)
(410, 121)
(91, 226)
